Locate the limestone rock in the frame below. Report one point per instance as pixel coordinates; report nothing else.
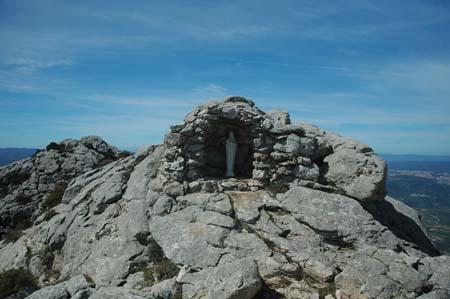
(306, 218)
(361, 175)
(192, 236)
(76, 287)
(26, 184)
(239, 279)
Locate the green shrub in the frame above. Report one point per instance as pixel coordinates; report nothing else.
(124, 154)
(55, 146)
(109, 158)
(14, 228)
(89, 279)
(104, 162)
(276, 187)
(15, 178)
(159, 268)
(55, 196)
(23, 199)
(48, 261)
(164, 270)
(12, 281)
(49, 214)
(155, 252)
(157, 272)
(12, 235)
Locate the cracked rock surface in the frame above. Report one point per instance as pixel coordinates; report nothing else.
(115, 234)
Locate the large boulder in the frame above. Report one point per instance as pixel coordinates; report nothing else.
(351, 166)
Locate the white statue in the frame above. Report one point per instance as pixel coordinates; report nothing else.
(231, 154)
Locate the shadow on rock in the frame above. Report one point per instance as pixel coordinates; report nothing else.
(404, 222)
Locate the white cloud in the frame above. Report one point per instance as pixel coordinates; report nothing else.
(211, 89)
(25, 64)
(140, 101)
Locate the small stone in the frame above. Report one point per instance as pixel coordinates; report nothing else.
(260, 156)
(278, 156)
(174, 139)
(176, 128)
(258, 142)
(260, 174)
(208, 186)
(174, 189)
(279, 117)
(195, 186)
(230, 112)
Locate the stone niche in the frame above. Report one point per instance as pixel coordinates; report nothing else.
(215, 136)
(197, 146)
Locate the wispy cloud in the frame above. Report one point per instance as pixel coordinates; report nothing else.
(213, 89)
(345, 65)
(143, 101)
(27, 65)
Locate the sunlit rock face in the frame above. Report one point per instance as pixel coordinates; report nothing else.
(305, 217)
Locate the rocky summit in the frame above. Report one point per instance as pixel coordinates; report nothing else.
(32, 185)
(305, 216)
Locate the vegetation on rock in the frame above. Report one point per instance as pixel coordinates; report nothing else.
(158, 268)
(14, 280)
(55, 196)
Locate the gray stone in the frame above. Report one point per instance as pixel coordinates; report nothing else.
(120, 293)
(279, 117)
(403, 221)
(213, 202)
(192, 236)
(288, 129)
(399, 280)
(361, 175)
(339, 219)
(13, 255)
(307, 173)
(76, 287)
(239, 279)
(437, 271)
(53, 292)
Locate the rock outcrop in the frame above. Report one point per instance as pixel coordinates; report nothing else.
(33, 185)
(162, 224)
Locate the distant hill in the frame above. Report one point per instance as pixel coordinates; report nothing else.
(12, 154)
(423, 182)
(417, 158)
(418, 162)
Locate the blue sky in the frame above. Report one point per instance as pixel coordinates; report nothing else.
(378, 71)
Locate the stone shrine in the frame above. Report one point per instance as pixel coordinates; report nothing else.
(271, 151)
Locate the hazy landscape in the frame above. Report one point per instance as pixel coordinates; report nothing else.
(9, 155)
(423, 182)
